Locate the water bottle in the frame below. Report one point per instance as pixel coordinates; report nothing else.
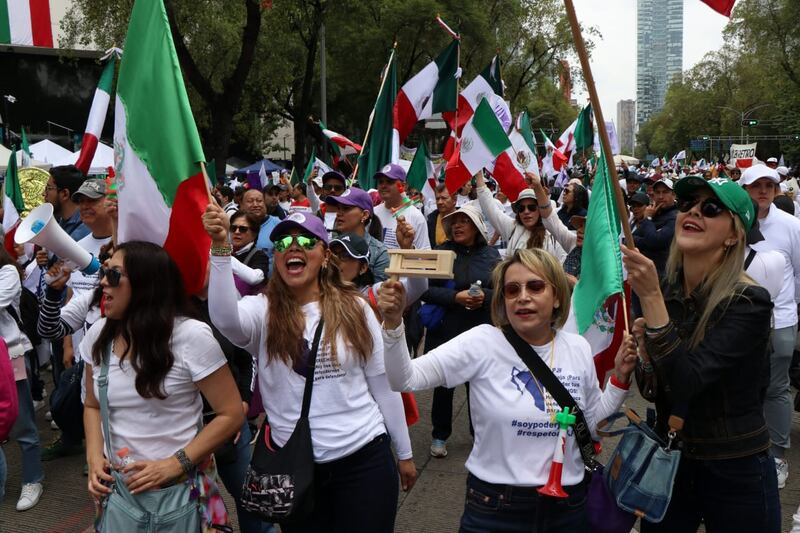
(475, 290)
(124, 458)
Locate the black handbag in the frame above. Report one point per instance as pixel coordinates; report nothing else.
(65, 403)
(279, 484)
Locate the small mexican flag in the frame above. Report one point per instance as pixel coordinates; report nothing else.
(161, 188)
(26, 22)
(13, 203)
(522, 141)
(313, 162)
(97, 117)
(341, 145)
(422, 175)
(26, 149)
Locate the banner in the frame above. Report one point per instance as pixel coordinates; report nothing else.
(743, 151)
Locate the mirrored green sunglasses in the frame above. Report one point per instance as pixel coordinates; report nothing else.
(306, 243)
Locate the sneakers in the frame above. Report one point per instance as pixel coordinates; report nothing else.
(59, 449)
(31, 492)
(48, 416)
(782, 466)
(53, 425)
(438, 448)
(38, 404)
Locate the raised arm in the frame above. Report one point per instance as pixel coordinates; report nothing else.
(499, 220)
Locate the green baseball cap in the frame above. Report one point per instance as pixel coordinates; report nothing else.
(733, 196)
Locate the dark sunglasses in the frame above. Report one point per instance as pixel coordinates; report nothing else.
(303, 241)
(333, 187)
(709, 208)
(239, 229)
(513, 289)
(521, 208)
(111, 276)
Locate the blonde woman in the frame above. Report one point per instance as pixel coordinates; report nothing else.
(706, 361)
(352, 406)
(511, 411)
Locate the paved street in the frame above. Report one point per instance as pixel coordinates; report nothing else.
(434, 505)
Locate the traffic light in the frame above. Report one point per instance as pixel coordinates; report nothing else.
(750, 122)
(705, 137)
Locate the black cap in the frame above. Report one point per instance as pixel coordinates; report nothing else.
(639, 198)
(354, 244)
(333, 174)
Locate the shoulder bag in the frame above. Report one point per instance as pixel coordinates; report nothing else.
(173, 509)
(603, 513)
(279, 484)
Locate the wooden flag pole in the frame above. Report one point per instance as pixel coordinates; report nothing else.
(580, 47)
(207, 181)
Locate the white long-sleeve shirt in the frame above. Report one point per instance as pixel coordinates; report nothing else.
(782, 233)
(10, 291)
(350, 402)
(511, 414)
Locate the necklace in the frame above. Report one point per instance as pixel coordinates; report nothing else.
(549, 403)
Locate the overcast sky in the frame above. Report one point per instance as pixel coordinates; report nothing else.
(614, 57)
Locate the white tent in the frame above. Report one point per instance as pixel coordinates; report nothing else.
(625, 160)
(5, 154)
(48, 151)
(103, 158)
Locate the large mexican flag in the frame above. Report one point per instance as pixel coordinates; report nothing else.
(161, 188)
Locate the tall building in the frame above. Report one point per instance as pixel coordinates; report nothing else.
(659, 53)
(626, 125)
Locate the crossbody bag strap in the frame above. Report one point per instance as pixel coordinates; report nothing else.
(560, 394)
(102, 386)
(749, 259)
(312, 363)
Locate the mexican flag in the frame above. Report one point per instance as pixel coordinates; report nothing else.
(524, 145)
(433, 90)
(26, 22)
(341, 145)
(381, 146)
(482, 141)
(422, 175)
(97, 116)
(161, 188)
(555, 158)
(13, 204)
(26, 149)
(486, 83)
(723, 7)
(315, 161)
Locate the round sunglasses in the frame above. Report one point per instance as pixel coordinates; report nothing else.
(710, 207)
(513, 289)
(305, 242)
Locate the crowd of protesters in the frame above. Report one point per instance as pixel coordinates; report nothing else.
(191, 383)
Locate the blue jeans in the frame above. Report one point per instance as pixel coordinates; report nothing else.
(26, 434)
(510, 509)
(729, 495)
(232, 475)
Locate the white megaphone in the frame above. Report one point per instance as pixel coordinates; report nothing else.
(40, 227)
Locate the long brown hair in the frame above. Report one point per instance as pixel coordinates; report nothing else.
(538, 232)
(342, 308)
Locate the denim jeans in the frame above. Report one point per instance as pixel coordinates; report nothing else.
(778, 405)
(510, 509)
(728, 495)
(3, 474)
(354, 494)
(232, 475)
(26, 434)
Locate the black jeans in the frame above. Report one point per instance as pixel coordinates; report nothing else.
(357, 493)
(729, 495)
(442, 413)
(509, 509)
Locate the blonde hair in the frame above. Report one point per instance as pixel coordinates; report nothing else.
(342, 307)
(723, 282)
(545, 265)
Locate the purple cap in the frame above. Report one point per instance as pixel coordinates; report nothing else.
(352, 196)
(333, 174)
(393, 172)
(305, 222)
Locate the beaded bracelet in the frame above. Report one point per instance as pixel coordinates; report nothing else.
(221, 250)
(186, 464)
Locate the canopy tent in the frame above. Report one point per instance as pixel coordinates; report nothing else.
(229, 170)
(269, 166)
(103, 158)
(625, 160)
(49, 152)
(5, 154)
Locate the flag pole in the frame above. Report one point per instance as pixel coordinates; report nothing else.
(207, 181)
(580, 48)
(622, 209)
(372, 115)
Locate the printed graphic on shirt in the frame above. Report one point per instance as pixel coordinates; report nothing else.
(324, 368)
(540, 425)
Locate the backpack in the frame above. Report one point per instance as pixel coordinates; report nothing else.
(9, 406)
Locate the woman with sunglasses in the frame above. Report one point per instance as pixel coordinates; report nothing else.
(251, 268)
(356, 478)
(525, 229)
(575, 202)
(511, 410)
(158, 363)
(705, 360)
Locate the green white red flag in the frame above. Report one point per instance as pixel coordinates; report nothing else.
(161, 187)
(524, 146)
(13, 203)
(432, 90)
(26, 22)
(340, 144)
(381, 145)
(421, 174)
(486, 83)
(555, 158)
(97, 116)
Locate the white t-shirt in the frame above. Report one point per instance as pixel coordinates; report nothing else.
(343, 414)
(514, 438)
(782, 233)
(413, 217)
(767, 268)
(80, 282)
(150, 428)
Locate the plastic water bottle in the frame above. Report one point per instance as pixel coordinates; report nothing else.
(475, 289)
(124, 458)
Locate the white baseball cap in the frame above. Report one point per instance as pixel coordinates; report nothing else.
(667, 182)
(756, 172)
(772, 160)
(783, 171)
